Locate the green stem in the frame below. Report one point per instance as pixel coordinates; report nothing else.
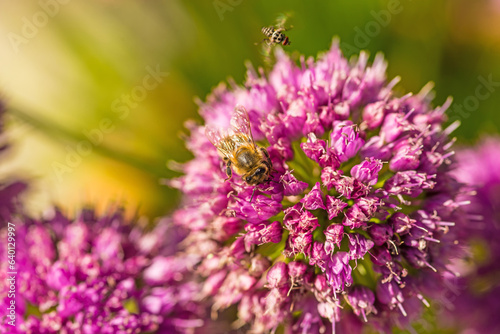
(58, 132)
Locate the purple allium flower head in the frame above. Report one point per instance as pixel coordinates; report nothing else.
(476, 304)
(98, 274)
(356, 204)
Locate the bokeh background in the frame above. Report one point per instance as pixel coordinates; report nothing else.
(68, 67)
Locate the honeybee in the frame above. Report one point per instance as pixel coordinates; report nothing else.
(239, 151)
(276, 35)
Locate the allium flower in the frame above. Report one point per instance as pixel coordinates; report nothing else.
(477, 304)
(357, 216)
(97, 274)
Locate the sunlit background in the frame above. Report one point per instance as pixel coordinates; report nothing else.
(98, 91)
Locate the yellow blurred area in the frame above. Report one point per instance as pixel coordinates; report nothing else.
(70, 66)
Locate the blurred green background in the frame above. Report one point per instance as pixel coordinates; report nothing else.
(67, 68)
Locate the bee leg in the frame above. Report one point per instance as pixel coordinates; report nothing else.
(229, 172)
(259, 43)
(265, 153)
(268, 158)
(253, 192)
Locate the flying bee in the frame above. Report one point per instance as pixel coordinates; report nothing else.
(239, 151)
(275, 36)
(275, 33)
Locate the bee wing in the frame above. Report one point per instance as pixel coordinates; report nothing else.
(213, 135)
(240, 122)
(221, 141)
(281, 20)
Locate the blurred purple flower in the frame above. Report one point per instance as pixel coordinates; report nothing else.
(475, 305)
(360, 201)
(98, 275)
(9, 198)
(10, 190)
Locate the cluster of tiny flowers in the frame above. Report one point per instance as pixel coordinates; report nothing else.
(476, 303)
(96, 274)
(354, 225)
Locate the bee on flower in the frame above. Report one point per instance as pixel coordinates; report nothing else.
(356, 223)
(239, 151)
